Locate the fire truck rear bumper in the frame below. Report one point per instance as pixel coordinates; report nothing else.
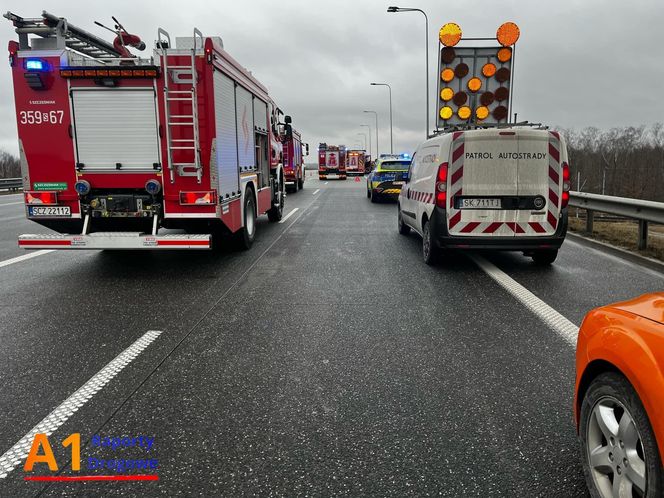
(115, 240)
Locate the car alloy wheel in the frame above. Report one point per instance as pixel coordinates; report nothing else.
(615, 450)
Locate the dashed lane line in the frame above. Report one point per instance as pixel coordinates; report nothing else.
(315, 191)
(30, 255)
(295, 210)
(565, 329)
(19, 452)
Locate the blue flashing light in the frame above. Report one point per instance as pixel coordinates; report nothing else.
(36, 65)
(405, 156)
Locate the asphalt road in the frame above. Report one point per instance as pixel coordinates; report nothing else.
(327, 360)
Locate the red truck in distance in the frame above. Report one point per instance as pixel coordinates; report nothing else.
(294, 151)
(356, 162)
(331, 161)
(115, 148)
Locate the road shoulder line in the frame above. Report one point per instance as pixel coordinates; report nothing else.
(49, 424)
(565, 329)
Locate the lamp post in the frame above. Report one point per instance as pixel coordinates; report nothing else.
(376, 115)
(391, 137)
(369, 134)
(364, 135)
(426, 42)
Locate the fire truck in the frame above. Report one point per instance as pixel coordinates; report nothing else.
(294, 151)
(116, 150)
(355, 162)
(331, 161)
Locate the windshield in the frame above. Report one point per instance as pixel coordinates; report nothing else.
(394, 165)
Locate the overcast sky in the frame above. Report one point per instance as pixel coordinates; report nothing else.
(579, 62)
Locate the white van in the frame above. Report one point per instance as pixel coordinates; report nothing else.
(497, 188)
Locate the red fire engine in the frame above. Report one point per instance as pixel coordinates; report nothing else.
(294, 150)
(331, 161)
(115, 148)
(355, 162)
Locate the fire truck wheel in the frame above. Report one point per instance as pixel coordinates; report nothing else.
(429, 249)
(300, 183)
(403, 228)
(276, 212)
(246, 235)
(545, 257)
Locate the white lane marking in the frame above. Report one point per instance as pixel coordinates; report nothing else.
(11, 203)
(325, 183)
(30, 255)
(565, 329)
(19, 452)
(283, 220)
(315, 191)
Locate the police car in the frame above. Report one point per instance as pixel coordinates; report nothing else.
(387, 177)
(498, 188)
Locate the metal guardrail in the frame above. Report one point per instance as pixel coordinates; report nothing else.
(643, 211)
(11, 183)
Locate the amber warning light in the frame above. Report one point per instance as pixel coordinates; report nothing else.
(474, 82)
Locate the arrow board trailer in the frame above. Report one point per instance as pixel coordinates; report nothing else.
(115, 149)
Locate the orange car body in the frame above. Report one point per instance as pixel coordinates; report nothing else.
(628, 337)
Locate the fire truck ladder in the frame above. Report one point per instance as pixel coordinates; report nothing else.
(183, 121)
(65, 33)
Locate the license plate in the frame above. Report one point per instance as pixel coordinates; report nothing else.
(49, 211)
(480, 204)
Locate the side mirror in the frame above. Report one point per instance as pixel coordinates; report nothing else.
(306, 146)
(288, 120)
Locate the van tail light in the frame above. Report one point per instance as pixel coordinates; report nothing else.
(41, 198)
(441, 186)
(566, 185)
(205, 198)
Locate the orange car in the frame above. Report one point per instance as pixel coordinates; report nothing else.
(619, 397)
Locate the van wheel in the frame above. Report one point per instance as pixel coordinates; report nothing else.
(429, 249)
(246, 235)
(545, 257)
(368, 194)
(618, 446)
(403, 228)
(374, 196)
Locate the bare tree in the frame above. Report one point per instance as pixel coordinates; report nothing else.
(10, 166)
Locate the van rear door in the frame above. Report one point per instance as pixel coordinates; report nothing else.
(482, 172)
(504, 183)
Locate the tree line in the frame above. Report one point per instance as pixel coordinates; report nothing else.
(9, 165)
(625, 162)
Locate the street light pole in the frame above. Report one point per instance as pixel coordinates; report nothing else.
(426, 43)
(391, 136)
(369, 133)
(377, 149)
(365, 139)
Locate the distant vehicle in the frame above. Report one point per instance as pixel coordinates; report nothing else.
(619, 398)
(356, 162)
(294, 150)
(115, 147)
(331, 162)
(501, 188)
(387, 178)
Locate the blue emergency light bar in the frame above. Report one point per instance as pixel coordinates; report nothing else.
(36, 65)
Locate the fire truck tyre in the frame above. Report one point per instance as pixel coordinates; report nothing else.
(611, 405)
(403, 228)
(545, 257)
(429, 248)
(246, 235)
(276, 212)
(300, 183)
